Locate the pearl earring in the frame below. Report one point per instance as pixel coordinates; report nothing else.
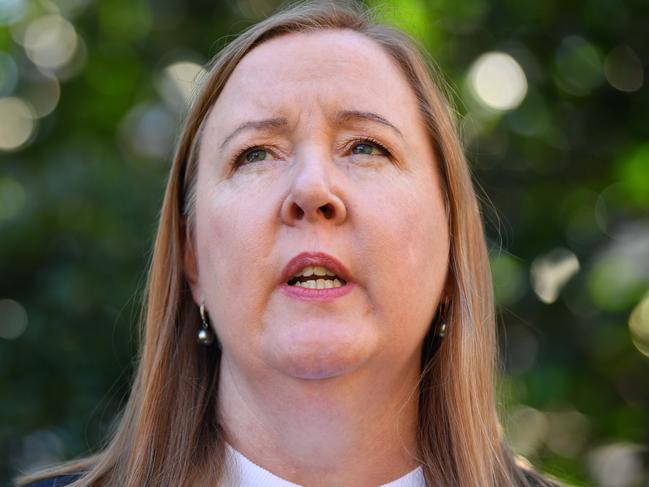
(441, 322)
(205, 334)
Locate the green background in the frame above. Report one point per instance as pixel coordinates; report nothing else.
(564, 177)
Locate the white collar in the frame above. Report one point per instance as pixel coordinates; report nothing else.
(248, 474)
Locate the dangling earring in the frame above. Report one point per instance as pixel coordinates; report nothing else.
(205, 334)
(442, 323)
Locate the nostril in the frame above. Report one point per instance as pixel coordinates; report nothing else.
(294, 210)
(327, 211)
(298, 212)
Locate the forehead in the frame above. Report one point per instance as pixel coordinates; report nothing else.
(329, 70)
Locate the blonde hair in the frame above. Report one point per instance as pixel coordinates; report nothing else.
(169, 432)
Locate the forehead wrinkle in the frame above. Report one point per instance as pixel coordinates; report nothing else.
(268, 124)
(330, 100)
(346, 116)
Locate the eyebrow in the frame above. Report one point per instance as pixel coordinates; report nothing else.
(355, 115)
(279, 123)
(269, 123)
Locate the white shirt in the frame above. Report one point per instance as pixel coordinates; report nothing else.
(248, 474)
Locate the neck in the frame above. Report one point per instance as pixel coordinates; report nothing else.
(357, 429)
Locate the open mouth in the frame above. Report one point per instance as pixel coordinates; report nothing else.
(316, 277)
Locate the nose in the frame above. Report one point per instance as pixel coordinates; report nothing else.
(312, 197)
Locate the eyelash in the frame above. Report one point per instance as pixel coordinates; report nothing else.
(237, 158)
(371, 141)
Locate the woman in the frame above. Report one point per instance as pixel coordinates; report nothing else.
(321, 237)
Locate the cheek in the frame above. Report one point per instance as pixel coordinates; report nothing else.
(409, 244)
(425, 245)
(410, 230)
(234, 237)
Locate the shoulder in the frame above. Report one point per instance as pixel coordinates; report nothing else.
(58, 481)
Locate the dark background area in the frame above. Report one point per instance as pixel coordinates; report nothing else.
(553, 99)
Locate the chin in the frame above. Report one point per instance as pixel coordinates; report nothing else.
(316, 372)
(310, 353)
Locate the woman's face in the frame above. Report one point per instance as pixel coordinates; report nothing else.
(315, 158)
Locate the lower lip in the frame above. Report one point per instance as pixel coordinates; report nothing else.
(309, 294)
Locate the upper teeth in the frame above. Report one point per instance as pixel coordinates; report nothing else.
(317, 270)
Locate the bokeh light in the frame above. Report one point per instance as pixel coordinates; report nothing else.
(12, 11)
(578, 66)
(17, 123)
(13, 319)
(623, 69)
(569, 432)
(148, 132)
(76, 65)
(178, 82)
(527, 429)
(639, 326)
(498, 81)
(50, 41)
(617, 465)
(550, 272)
(619, 274)
(43, 91)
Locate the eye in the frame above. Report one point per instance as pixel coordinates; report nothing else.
(251, 155)
(363, 149)
(368, 148)
(255, 155)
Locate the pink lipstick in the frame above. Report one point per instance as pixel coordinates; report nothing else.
(315, 276)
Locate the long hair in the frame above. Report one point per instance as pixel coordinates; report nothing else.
(169, 432)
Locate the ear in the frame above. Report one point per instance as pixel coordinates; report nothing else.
(191, 268)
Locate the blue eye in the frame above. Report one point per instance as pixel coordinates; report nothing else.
(363, 149)
(368, 149)
(255, 155)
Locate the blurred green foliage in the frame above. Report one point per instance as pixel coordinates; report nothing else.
(89, 111)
